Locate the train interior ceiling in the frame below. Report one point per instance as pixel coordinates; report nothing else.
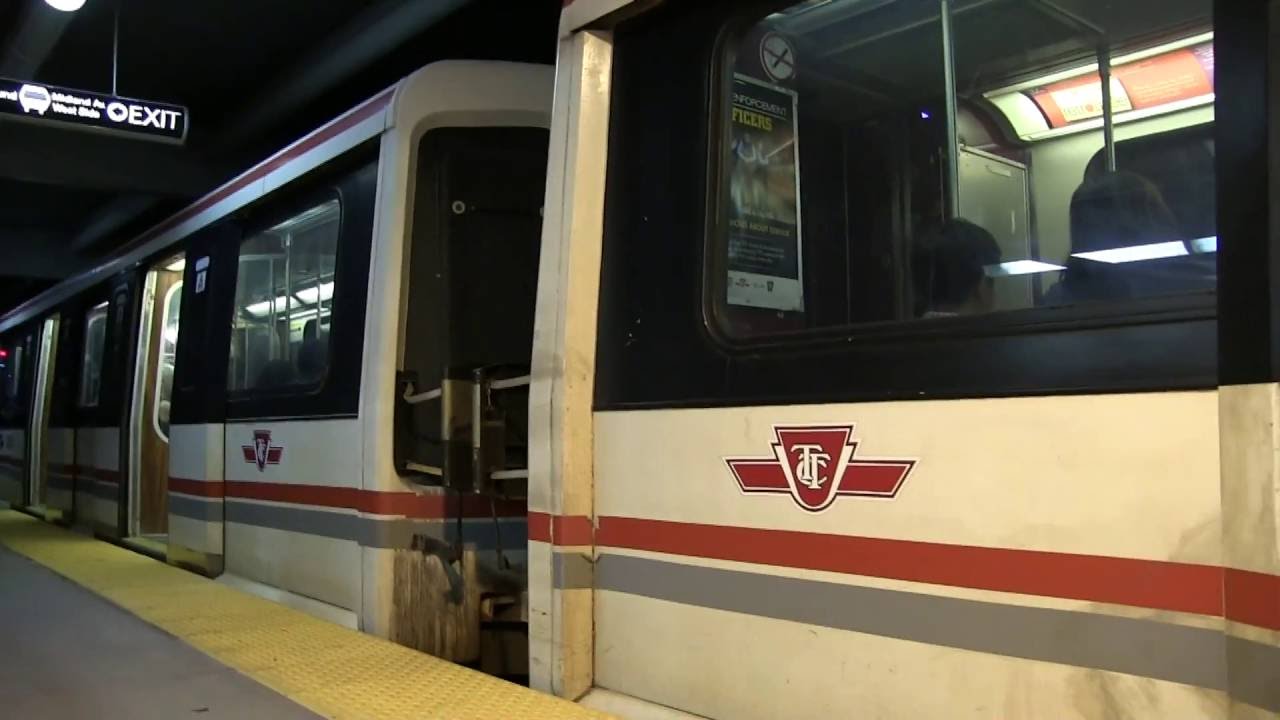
(1032, 167)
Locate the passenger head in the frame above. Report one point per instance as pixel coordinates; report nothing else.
(1112, 210)
(950, 268)
(1119, 209)
(312, 361)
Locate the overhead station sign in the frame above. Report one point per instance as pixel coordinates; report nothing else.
(93, 111)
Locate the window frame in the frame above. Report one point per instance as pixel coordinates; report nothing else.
(321, 195)
(174, 290)
(656, 349)
(733, 29)
(105, 308)
(352, 179)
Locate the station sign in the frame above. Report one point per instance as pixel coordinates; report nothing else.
(97, 112)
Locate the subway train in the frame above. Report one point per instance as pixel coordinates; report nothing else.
(838, 358)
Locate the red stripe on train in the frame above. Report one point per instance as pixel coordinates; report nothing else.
(198, 488)
(1179, 587)
(1239, 595)
(561, 529)
(1252, 598)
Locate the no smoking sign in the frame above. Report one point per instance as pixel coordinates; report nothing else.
(777, 57)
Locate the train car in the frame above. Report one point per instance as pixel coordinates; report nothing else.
(909, 359)
(889, 358)
(229, 392)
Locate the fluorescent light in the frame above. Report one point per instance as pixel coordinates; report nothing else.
(304, 296)
(177, 266)
(1135, 253)
(308, 294)
(262, 308)
(65, 5)
(1205, 244)
(1021, 267)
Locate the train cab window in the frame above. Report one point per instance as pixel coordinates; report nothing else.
(95, 339)
(881, 163)
(284, 303)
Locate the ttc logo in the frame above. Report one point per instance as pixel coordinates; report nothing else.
(815, 464)
(262, 452)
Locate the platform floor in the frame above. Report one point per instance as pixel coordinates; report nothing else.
(132, 637)
(68, 653)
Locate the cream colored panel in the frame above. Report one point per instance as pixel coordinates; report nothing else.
(728, 665)
(314, 452)
(195, 534)
(563, 361)
(322, 568)
(1251, 476)
(1120, 475)
(198, 452)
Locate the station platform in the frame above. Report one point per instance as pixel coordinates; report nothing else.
(97, 631)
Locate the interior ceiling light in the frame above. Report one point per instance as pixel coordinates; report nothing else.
(1135, 253)
(1020, 267)
(65, 5)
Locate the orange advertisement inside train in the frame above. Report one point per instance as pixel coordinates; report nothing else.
(1179, 75)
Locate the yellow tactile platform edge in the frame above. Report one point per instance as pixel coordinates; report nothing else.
(333, 671)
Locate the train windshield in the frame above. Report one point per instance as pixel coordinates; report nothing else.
(922, 159)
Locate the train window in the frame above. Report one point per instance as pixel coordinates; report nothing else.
(11, 382)
(879, 162)
(95, 339)
(169, 324)
(11, 364)
(284, 303)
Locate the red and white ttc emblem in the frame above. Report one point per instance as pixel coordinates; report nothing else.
(262, 452)
(815, 464)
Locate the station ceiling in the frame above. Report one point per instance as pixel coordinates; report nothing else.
(254, 75)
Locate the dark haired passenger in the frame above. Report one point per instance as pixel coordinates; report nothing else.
(1113, 210)
(951, 271)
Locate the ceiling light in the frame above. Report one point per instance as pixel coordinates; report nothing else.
(177, 265)
(1021, 267)
(65, 5)
(1135, 253)
(1205, 244)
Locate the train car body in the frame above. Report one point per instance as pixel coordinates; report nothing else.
(791, 474)
(225, 390)
(887, 358)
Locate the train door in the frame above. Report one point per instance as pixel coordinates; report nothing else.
(103, 451)
(38, 425)
(95, 441)
(59, 497)
(152, 389)
(15, 373)
(197, 403)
